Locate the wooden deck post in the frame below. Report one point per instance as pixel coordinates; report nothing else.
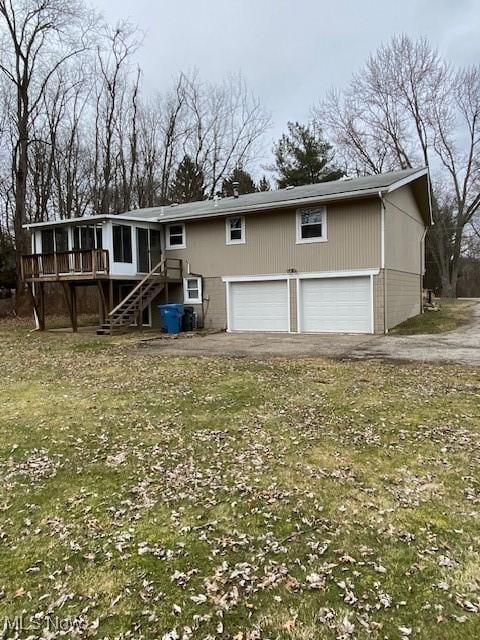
(67, 291)
(73, 297)
(38, 303)
(102, 303)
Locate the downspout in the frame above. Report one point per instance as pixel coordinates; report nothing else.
(422, 266)
(198, 275)
(382, 260)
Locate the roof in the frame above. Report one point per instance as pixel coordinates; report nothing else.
(290, 196)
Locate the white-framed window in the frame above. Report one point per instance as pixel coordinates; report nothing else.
(176, 236)
(235, 230)
(312, 225)
(192, 290)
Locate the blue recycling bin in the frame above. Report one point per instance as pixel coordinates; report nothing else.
(171, 315)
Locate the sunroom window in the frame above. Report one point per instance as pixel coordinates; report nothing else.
(122, 243)
(87, 237)
(312, 225)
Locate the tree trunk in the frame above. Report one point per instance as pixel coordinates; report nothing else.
(20, 170)
(449, 287)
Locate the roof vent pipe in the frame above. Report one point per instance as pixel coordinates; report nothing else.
(236, 189)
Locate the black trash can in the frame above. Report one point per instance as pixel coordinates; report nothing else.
(188, 318)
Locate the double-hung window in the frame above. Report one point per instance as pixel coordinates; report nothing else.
(235, 230)
(176, 236)
(192, 290)
(311, 225)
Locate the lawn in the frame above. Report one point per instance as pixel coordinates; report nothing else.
(144, 496)
(452, 314)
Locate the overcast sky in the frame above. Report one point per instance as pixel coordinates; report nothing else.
(289, 51)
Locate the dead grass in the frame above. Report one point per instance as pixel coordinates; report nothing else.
(145, 496)
(452, 314)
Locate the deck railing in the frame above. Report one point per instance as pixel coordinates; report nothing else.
(173, 268)
(67, 263)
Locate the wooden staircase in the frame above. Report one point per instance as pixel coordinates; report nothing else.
(129, 311)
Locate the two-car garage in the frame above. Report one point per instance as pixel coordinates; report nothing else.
(311, 303)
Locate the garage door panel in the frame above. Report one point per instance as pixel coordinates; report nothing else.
(259, 306)
(335, 304)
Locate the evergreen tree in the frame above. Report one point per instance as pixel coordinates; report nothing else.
(7, 261)
(244, 179)
(303, 156)
(188, 184)
(264, 184)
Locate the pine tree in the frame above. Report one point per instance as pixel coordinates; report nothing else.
(264, 184)
(303, 156)
(188, 184)
(7, 261)
(244, 179)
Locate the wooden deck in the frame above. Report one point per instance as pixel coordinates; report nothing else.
(92, 264)
(72, 269)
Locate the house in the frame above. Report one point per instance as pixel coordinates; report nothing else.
(342, 256)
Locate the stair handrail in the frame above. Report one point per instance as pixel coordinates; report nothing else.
(155, 270)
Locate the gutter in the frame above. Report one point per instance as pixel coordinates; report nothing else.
(85, 220)
(382, 260)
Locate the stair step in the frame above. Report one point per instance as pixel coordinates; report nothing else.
(126, 313)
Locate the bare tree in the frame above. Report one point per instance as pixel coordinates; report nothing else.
(113, 56)
(37, 38)
(76, 135)
(407, 107)
(72, 157)
(226, 123)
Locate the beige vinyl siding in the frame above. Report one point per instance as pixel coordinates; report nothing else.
(403, 296)
(404, 229)
(213, 312)
(215, 304)
(353, 231)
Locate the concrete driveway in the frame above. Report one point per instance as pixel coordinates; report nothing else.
(262, 345)
(461, 346)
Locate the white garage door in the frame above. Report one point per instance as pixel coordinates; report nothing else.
(336, 304)
(259, 306)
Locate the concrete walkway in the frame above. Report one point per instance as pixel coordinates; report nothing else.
(461, 345)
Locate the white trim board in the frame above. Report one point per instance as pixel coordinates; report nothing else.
(406, 180)
(303, 275)
(372, 306)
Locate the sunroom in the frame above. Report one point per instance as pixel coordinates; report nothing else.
(95, 247)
